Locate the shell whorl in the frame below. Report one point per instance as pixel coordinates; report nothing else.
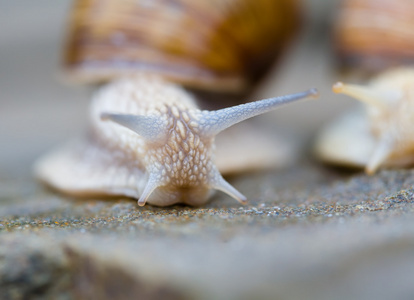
(172, 139)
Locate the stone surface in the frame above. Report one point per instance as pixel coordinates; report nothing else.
(308, 232)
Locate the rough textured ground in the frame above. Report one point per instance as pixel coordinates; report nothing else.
(308, 232)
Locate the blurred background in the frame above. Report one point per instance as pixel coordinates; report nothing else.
(37, 110)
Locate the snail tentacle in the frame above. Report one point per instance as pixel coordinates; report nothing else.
(152, 184)
(384, 148)
(219, 183)
(367, 95)
(213, 122)
(149, 127)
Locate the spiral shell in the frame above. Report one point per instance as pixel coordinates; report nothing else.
(375, 34)
(219, 45)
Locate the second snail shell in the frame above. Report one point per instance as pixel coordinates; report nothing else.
(375, 34)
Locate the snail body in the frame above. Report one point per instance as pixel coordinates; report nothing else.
(147, 137)
(379, 134)
(148, 140)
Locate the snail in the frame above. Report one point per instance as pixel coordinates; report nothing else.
(212, 45)
(148, 140)
(374, 35)
(379, 134)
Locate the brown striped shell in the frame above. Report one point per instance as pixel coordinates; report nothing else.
(219, 45)
(375, 34)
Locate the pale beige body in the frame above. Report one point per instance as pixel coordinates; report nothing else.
(379, 134)
(159, 146)
(117, 161)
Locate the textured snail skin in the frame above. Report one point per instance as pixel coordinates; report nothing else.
(148, 140)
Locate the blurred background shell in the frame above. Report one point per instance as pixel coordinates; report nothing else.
(220, 45)
(375, 34)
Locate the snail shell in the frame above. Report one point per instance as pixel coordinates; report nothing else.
(379, 134)
(375, 34)
(209, 44)
(148, 140)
